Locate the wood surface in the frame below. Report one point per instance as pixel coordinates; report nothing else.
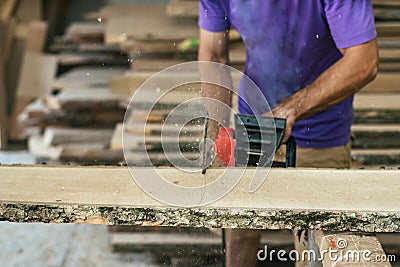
(132, 22)
(89, 76)
(3, 88)
(377, 157)
(375, 136)
(38, 114)
(81, 32)
(61, 135)
(384, 83)
(93, 153)
(36, 39)
(183, 9)
(84, 99)
(354, 245)
(29, 10)
(37, 75)
(388, 29)
(377, 101)
(7, 8)
(354, 200)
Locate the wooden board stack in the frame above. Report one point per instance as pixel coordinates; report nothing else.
(83, 45)
(376, 129)
(155, 45)
(74, 124)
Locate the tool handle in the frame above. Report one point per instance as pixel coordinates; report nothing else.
(291, 152)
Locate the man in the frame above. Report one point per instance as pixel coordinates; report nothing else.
(308, 57)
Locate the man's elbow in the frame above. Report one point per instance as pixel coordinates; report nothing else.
(372, 70)
(368, 66)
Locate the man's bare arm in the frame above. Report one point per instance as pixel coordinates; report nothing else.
(213, 47)
(355, 69)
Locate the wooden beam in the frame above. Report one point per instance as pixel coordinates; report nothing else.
(3, 90)
(37, 75)
(351, 249)
(337, 200)
(183, 9)
(159, 27)
(376, 157)
(7, 9)
(377, 101)
(85, 99)
(93, 153)
(384, 83)
(61, 135)
(29, 10)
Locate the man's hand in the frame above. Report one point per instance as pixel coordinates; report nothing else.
(355, 69)
(284, 111)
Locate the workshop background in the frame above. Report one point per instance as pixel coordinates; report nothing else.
(67, 72)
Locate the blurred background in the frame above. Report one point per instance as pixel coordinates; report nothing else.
(68, 69)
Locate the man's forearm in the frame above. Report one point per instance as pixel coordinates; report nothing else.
(214, 48)
(355, 69)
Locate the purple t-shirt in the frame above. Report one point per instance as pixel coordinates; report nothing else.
(289, 44)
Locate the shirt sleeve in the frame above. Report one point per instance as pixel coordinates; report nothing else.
(212, 16)
(351, 22)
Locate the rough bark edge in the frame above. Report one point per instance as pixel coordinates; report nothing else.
(197, 217)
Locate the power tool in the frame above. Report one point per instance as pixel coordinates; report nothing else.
(253, 142)
(256, 141)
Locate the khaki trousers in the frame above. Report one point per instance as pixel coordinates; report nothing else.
(242, 245)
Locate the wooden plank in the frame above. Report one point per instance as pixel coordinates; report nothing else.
(81, 32)
(61, 135)
(37, 75)
(387, 29)
(3, 115)
(134, 141)
(13, 68)
(377, 157)
(17, 130)
(160, 27)
(386, 3)
(350, 250)
(132, 80)
(384, 13)
(369, 136)
(35, 80)
(389, 66)
(6, 9)
(377, 101)
(85, 99)
(72, 59)
(139, 159)
(95, 153)
(29, 10)
(159, 47)
(38, 114)
(3, 89)
(89, 76)
(389, 54)
(354, 200)
(183, 9)
(157, 128)
(37, 36)
(384, 83)
(377, 116)
(152, 64)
